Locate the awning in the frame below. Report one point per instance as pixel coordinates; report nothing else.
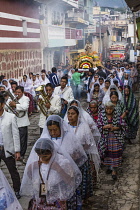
(133, 4)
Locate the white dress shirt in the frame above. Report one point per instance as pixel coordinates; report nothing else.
(45, 81)
(66, 93)
(55, 108)
(1, 137)
(22, 106)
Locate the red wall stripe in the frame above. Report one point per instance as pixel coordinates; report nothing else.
(8, 46)
(10, 22)
(16, 34)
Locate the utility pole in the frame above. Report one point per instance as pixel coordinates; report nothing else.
(135, 38)
(100, 34)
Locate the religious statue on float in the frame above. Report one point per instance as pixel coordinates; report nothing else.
(88, 59)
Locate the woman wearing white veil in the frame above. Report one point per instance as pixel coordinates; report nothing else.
(85, 117)
(43, 79)
(6, 83)
(8, 200)
(27, 84)
(50, 178)
(107, 95)
(101, 82)
(58, 131)
(85, 138)
(96, 93)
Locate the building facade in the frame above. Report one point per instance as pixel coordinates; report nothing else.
(56, 36)
(62, 29)
(20, 50)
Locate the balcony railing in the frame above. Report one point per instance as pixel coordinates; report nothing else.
(55, 36)
(81, 14)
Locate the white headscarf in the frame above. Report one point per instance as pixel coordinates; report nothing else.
(8, 199)
(69, 144)
(101, 92)
(107, 95)
(85, 117)
(8, 85)
(85, 138)
(44, 82)
(62, 176)
(28, 86)
(3, 86)
(14, 80)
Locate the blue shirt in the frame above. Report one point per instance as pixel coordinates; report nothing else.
(54, 79)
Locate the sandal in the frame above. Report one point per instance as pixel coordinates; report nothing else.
(114, 175)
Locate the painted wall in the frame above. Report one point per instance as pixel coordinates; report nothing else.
(19, 38)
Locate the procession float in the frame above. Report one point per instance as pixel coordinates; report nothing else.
(87, 59)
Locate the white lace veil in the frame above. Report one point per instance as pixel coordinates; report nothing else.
(62, 179)
(85, 137)
(85, 117)
(101, 92)
(69, 143)
(92, 89)
(8, 199)
(107, 95)
(62, 124)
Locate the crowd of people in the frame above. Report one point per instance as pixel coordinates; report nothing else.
(62, 169)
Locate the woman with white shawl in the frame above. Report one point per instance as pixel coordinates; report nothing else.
(107, 95)
(101, 82)
(85, 138)
(27, 84)
(50, 178)
(43, 79)
(8, 200)
(58, 131)
(6, 83)
(96, 93)
(85, 117)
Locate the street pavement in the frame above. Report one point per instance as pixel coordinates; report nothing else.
(122, 194)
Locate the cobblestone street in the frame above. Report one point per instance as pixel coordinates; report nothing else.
(109, 195)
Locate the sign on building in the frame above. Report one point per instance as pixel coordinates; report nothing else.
(90, 29)
(79, 34)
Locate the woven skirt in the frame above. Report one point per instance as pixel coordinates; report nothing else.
(114, 151)
(58, 205)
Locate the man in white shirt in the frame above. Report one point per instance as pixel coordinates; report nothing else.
(35, 84)
(54, 107)
(13, 87)
(9, 144)
(35, 81)
(65, 93)
(22, 122)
